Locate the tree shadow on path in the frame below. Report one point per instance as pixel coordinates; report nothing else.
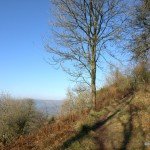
(85, 130)
(127, 131)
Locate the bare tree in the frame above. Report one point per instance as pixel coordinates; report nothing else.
(140, 43)
(84, 31)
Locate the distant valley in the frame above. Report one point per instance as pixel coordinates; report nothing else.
(50, 107)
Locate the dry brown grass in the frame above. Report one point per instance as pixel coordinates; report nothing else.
(128, 129)
(112, 94)
(50, 136)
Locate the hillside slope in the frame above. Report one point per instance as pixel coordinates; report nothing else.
(126, 127)
(117, 126)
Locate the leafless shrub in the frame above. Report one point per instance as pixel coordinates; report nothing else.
(77, 99)
(17, 117)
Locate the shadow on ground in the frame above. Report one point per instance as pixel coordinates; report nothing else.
(85, 130)
(127, 132)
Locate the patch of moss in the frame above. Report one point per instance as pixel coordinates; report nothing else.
(99, 113)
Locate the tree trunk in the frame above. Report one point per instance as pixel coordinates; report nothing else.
(93, 60)
(93, 77)
(93, 85)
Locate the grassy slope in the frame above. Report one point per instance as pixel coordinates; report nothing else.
(123, 126)
(126, 127)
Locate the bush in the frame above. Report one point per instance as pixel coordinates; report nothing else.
(17, 117)
(121, 85)
(77, 99)
(141, 75)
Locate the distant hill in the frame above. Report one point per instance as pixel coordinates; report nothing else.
(50, 107)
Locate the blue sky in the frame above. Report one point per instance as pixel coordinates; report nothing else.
(23, 71)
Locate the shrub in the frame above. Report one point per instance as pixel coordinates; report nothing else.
(77, 100)
(118, 87)
(141, 75)
(17, 117)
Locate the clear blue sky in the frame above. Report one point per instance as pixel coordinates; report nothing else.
(23, 71)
